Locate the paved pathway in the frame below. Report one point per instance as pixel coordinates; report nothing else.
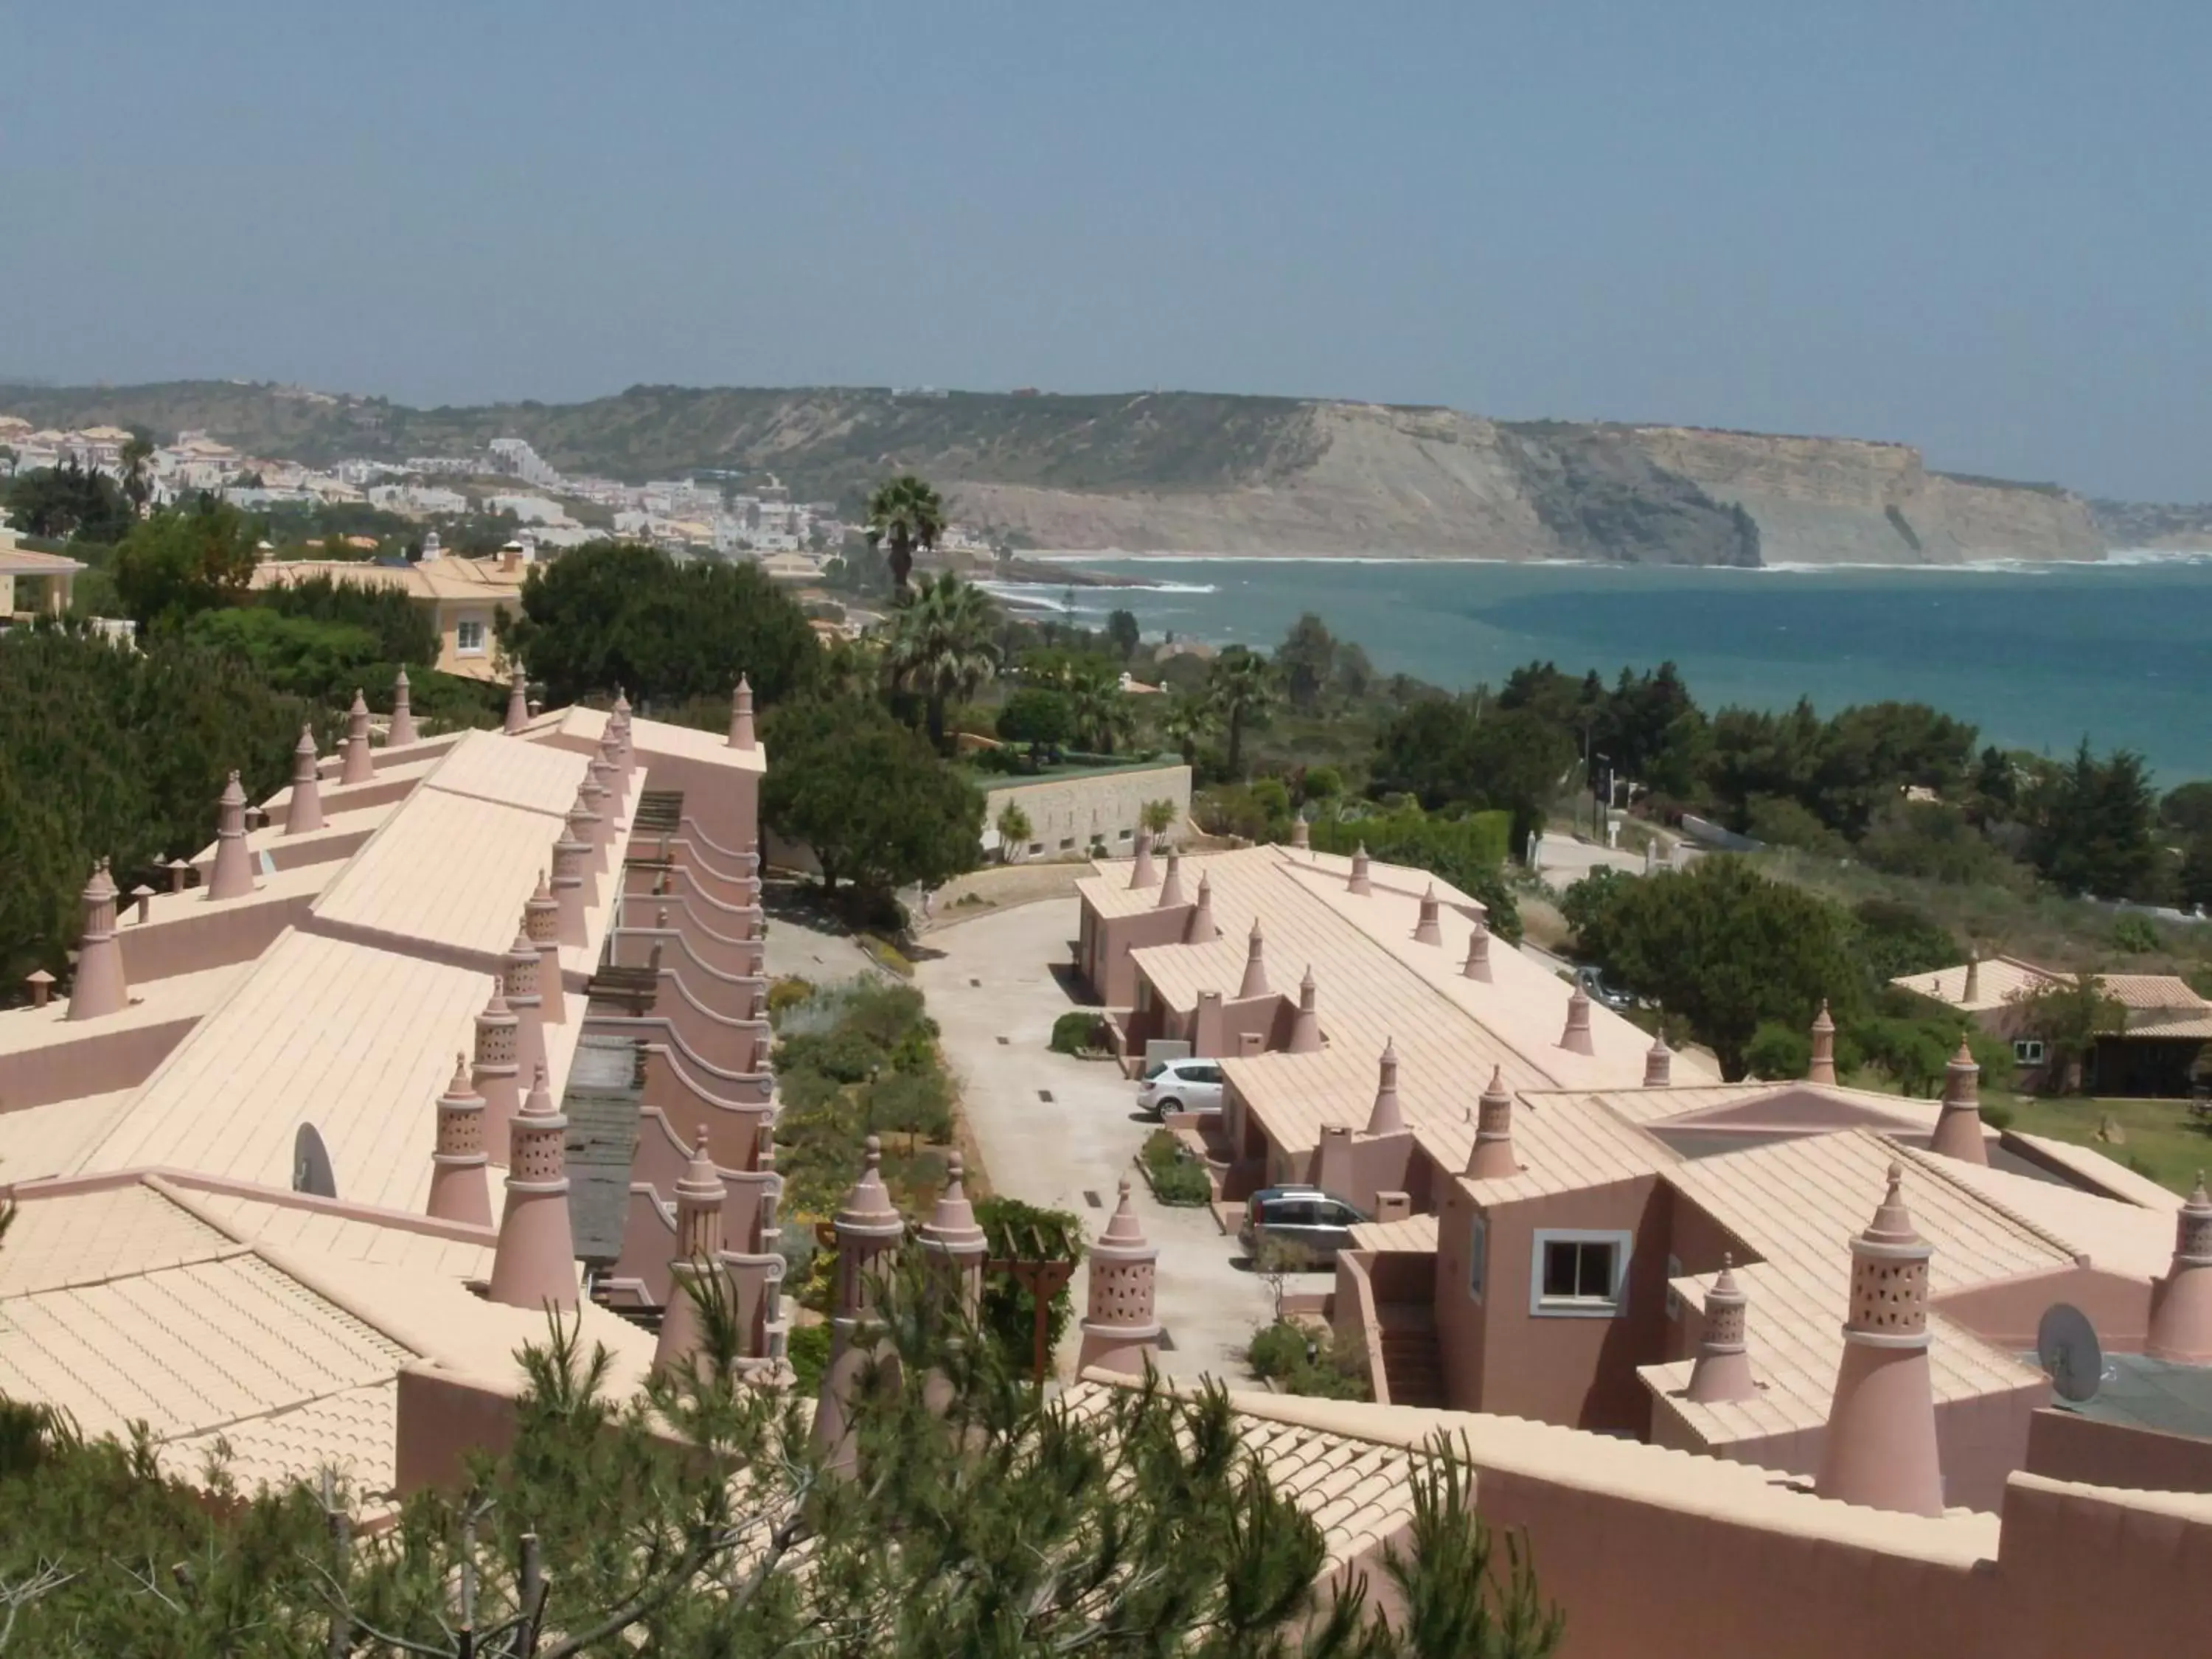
(995, 981)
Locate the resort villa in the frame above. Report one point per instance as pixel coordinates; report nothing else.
(457, 1027)
(1683, 1310)
(462, 595)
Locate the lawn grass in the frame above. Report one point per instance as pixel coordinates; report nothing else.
(2162, 1140)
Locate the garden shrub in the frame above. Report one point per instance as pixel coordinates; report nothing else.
(1307, 1361)
(1078, 1032)
(1176, 1179)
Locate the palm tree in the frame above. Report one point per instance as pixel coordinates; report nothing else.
(906, 512)
(1241, 688)
(1187, 719)
(137, 484)
(1101, 707)
(943, 645)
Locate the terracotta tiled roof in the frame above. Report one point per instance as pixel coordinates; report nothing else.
(40, 1141)
(447, 870)
(1375, 983)
(22, 562)
(1357, 1492)
(186, 1348)
(1655, 1476)
(1415, 1233)
(2087, 1168)
(354, 1434)
(1794, 1206)
(1997, 981)
(89, 1237)
(653, 738)
(2002, 980)
(356, 1040)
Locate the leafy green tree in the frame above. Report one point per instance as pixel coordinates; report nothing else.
(66, 502)
(1036, 716)
(1098, 707)
(904, 514)
(2069, 1014)
(113, 752)
(1185, 722)
(1123, 634)
(1305, 659)
(1448, 753)
(324, 661)
(2091, 826)
(1724, 948)
(1159, 816)
(2188, 808)
(136, 452)
(183, 561)
(2193, 882)
(942, 645)
(872, 799)
(614, 614)
(1321, 783)
(1240, 686)
(1468, 852)
(1890, 939)
(406, 632)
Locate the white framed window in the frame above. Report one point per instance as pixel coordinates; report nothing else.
(1577, 1273)
(1478, 1255)
(1128, 834)
(469, 636)
(2028, 1051)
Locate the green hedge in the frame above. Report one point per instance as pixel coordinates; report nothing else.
(1177, 1180)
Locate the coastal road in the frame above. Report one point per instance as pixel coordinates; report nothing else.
(1063, 1132)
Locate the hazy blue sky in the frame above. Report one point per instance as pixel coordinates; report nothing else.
(1980, 228)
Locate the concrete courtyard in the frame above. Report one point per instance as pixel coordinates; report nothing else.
(1063, 1132)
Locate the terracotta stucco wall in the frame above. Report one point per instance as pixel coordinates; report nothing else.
(185, 942)
(1577, 1371)
(1066, 815)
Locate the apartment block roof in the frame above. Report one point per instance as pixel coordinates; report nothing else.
(1375, 984)
(2153, 1001)
(155, 1002)
(1658, 1476)
(1794, 1205)
(647, 736)
(138, 1299)
(451, 577)
(1357, 1491)
(355, 1040)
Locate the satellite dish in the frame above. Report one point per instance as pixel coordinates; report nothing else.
(2066, 1346)
(310, 1165)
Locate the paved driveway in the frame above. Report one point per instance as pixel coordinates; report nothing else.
(994, 995)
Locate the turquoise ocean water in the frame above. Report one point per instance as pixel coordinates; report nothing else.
(2036, 656)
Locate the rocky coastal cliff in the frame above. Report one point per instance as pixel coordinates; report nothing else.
(1195, 472)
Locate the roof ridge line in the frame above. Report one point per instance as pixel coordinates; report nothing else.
(1931, 1162)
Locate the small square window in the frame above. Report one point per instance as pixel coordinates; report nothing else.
(2028, 1051)
(1578, 1274)
(1065, 843)
(1128, 834)
(469, 637)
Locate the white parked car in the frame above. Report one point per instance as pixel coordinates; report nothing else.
(1180, 1086)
